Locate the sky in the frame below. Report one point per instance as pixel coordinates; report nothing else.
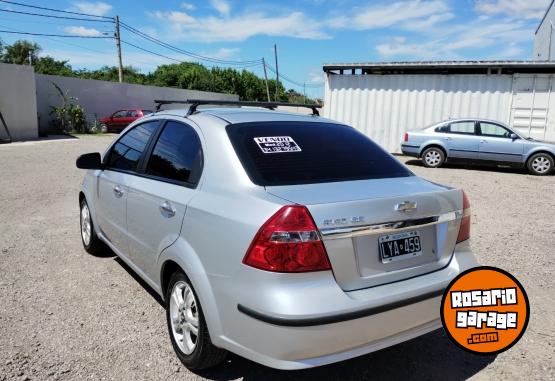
(308, 33)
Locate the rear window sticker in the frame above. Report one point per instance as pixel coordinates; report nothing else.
(277, 144)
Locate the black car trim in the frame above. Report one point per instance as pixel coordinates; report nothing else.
(463, 150)
(409, 145)
(502, 153)
(308, 322)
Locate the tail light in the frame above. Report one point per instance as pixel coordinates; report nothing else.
(464, 230)
(406, 136)
(288, 242)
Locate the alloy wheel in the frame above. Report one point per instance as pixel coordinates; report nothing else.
(86, 226)
(184, 317)
(433, 158)
(541, 164)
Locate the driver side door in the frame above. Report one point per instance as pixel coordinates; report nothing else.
(496, 144)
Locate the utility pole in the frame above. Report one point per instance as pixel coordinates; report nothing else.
(118, 46)
(304, 92)
(277, 74)
(30, 58)
(266, 78)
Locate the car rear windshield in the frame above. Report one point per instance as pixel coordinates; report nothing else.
(288, 153)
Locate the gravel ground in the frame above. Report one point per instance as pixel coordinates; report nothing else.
(68, 315)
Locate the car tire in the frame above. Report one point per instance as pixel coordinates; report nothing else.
(103, 128)
(433, 157)
(183, 309)
(540, 164)
(91, 242)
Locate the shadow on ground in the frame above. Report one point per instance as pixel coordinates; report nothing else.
(431, 356)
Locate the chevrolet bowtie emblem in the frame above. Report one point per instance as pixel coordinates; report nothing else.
(406, 206)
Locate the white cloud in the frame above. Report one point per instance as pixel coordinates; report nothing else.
(525, 9)
(94, 8)
(405, 14)
(316, 77)
(188, 6)
(222, 6)
(241, 27)
(222, 53)
(425, 12)
(82, 31)
(452, 43)
(174, 17)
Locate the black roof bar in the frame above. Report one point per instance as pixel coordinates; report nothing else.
(194, 103)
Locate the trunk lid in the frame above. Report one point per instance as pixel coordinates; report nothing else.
(364, 231)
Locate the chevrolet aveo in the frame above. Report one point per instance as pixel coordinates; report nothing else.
(291, 240)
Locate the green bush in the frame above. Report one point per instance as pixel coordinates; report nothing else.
(70, 116)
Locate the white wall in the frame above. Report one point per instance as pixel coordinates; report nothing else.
(544, 39)
(18, 101)
(104, 98)
(385, 106)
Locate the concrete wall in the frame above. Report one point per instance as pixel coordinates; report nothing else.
(544, 39)
(18, 101)
(104, 98)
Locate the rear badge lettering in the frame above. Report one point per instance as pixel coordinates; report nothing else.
(277, 144)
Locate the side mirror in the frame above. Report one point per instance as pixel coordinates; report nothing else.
(514, 136)
(89, 161)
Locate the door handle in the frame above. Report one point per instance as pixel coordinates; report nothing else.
(483, 141)
(167, 209)
(118, 191)
(446, 138)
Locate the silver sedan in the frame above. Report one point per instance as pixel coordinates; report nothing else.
(288, 239)
(479, 141)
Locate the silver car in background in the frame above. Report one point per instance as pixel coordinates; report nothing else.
(291, 240)
(479, 141)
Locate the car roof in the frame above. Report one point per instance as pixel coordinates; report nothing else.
(234, 115)
(466, 120)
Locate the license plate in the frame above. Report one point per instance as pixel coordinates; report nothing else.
(398, 246)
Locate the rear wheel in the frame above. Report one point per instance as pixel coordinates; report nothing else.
(540, 164)
(103, 128)
(433, 157)
(187, 327)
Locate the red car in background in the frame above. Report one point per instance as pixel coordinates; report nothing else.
(120, 119)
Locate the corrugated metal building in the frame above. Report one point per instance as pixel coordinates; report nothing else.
(384, 100)
(544, 38)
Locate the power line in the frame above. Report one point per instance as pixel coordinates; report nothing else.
(292, 81)
(53, 35)
(54, 10)
(53, 16)
(171, 58)
(59, 41)
(185, 52)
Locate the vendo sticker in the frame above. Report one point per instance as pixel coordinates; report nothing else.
(277, 144)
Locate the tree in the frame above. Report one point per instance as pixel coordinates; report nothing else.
(48, 65)
(21, 52)
(110, 73)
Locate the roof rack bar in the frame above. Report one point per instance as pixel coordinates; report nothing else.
(194, 103)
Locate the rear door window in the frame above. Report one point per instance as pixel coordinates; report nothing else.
(287, 153)
(127, 151)
(177, 155)
(467, 128)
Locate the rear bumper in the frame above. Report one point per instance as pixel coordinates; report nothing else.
(410, 150)
(297, 327)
